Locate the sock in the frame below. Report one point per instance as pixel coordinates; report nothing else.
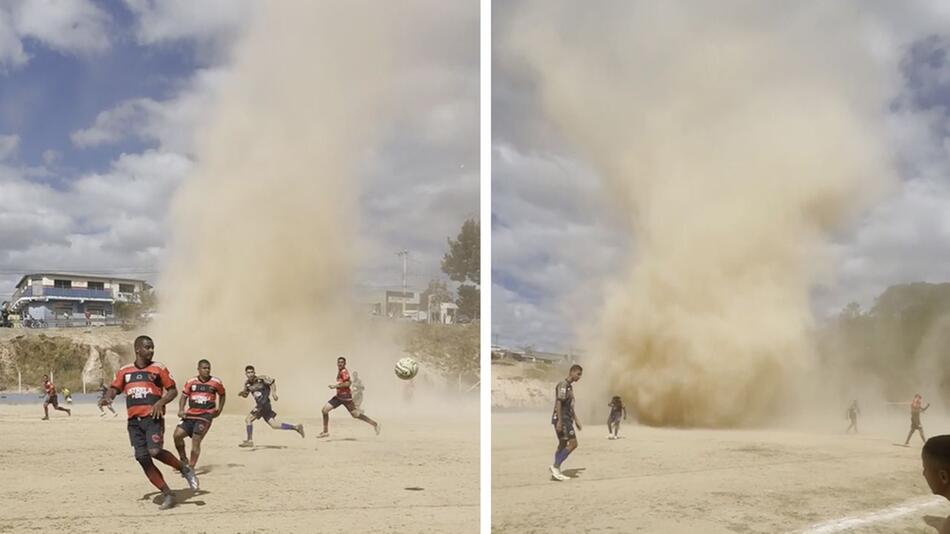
(168, 459)
(288, 426)
(250, 431)
(153, 474)
(560, 457)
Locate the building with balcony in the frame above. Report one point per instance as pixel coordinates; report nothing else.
(56, 297)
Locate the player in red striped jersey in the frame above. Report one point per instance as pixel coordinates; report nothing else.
(202, 394)
(51, 398)
(148, 387)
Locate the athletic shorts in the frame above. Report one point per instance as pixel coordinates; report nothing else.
(264, 411)
(193, 427)
(567, 432)
(336, 402)
(52, 399)
(145, 432)
(615, 417)
(915, 424)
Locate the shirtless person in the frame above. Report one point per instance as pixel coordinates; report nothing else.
(915, 410)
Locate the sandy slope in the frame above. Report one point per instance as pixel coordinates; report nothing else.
(77, 474)
(709, 481)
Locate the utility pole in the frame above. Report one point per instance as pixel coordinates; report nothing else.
(405, 269)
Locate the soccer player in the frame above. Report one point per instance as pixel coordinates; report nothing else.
(51, 398)
(564, 418)
(262, 388)
(343, 397)
(148, 387)
(201, 393)
(936, 460)
(853, 412)
(915, 411)
(68, 396)
(617, 409)
(102, 395)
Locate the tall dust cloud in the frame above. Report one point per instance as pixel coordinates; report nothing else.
(733, 139)
(266, 235)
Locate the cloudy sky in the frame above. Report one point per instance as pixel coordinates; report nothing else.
(98, 104)
(555, 241)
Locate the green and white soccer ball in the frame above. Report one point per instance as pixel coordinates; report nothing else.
(406, 368)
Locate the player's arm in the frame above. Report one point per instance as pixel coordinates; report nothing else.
(576, 420)
(559, 426)
(273, 389)
(158, 409)
(220, 405)
(181, 402)
(924, 409)
(624, 408)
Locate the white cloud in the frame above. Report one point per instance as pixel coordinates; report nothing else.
(169, 123)
(71, 27)
(77, 26)
(212, 23)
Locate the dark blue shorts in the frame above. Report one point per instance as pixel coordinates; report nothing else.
(195, 426)
(567, 431)
(264, 411)
(146, 433)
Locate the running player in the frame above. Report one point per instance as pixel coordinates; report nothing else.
(915, 410)
(343, 397)
(68, 396)
(201, 393)
(148, 387)
(936, 460)
(853, 413)
(102, 395)
(262, 388)
(617, 409)
(51, 398)
(564, 418)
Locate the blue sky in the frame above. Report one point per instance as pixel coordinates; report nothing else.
(99, 105)
(557, 239)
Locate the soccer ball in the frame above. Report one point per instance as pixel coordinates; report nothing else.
(406, 368)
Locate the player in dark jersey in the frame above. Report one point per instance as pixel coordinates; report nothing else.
(916, 408)
(564, 419)
(202, 394)
(853, 413)
(344, 397)
(102, 394)
(148, 387)
(617, 409)
(262, 388)
(51, 398)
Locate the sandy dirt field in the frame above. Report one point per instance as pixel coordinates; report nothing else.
(712, 481)
(77, 474)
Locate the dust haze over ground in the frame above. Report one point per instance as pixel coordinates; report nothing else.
(735, 138)
(266, 229)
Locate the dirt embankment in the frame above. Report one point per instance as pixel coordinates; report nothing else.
(447, 354)
(524, 385)
(73, 355)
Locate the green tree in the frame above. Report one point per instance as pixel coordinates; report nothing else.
(462, 263)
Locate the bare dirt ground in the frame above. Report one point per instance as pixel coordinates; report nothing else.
(77, 474)
(713, 481)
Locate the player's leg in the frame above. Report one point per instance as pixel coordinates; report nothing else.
(201, 429)
(249, 426)
(111, 410)
(617, 428)
(45, 410)
(55, 402)
(155, 436)
(139, 441)
(277, 425)
(179, 436)
(356, 413)
(909, 434)
(327, 408)
(921, 430)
